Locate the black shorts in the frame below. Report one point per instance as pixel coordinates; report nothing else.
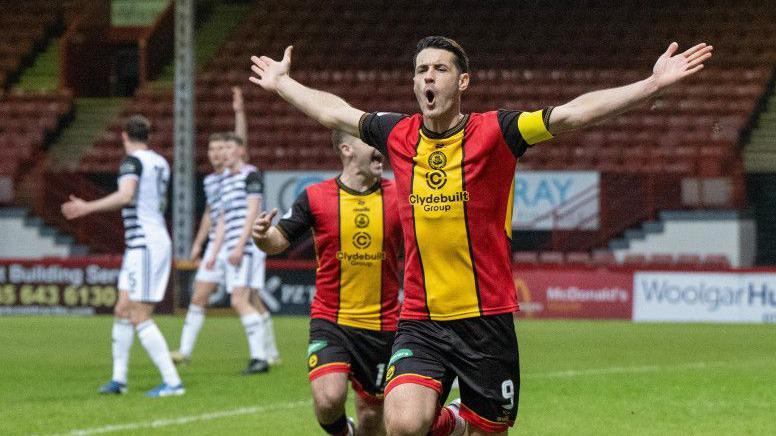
(481, 352)
(362, 354)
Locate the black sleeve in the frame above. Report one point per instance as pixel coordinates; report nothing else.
(375, 128)
(254, 184)
(515, 139)
(298, 220)
(130, 166)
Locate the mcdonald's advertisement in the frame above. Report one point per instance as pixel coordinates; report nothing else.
(574, 293)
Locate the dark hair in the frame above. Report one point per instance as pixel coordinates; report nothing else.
(338, 137)
(138, 127)
(231, 136)
(443, 43)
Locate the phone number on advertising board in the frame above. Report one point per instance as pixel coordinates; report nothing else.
(57, 295)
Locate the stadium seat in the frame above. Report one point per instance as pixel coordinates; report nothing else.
(525, 257)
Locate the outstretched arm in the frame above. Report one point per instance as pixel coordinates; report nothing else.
(328, 109)
(596, 106)
(76, 207)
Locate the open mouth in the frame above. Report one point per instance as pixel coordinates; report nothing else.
(377, 157)
(430, 96)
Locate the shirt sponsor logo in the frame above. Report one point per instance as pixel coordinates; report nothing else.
(439, 202)
(362, 240)
(355, 258)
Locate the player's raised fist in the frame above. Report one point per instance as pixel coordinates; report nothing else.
(671, 67)
(268, 72)
(262, 224)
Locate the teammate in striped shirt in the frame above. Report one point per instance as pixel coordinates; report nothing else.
(454, 177)
(143, 179)
(354, 313)
(240, 193)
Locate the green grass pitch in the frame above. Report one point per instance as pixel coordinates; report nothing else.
(578, 378)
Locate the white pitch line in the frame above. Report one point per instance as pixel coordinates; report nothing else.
(166, 422)
(638, 369)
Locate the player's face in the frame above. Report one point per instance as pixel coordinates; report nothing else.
(437, 83)
(215, 154)
(368, 159)
(232, 153)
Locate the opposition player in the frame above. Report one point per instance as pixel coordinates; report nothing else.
(240, 195)
(209, 277)
(354, 313)
(142, 197)
(455, 179)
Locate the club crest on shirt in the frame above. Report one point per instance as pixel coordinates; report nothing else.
(437, 160)
(362, 220)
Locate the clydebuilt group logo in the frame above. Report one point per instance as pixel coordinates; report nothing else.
(362, 240)
(436, 179)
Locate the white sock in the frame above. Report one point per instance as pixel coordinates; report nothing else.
(122, 334)
(195, 317)
(156, 346)
(269, 336)
(254, 330)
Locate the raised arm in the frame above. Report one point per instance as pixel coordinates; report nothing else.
(596, 106)
(328, 109)
(76, 207)
(267, 237)
(240, 122)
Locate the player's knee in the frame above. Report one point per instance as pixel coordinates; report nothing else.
(370, 420)
(200, 299)
(138, 316)
(121, 310)
(398, 423)
(329, 400)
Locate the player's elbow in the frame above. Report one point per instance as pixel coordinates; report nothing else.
(567, 118)
(125, 198)
(329, 121)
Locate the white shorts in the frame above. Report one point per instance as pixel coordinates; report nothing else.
(145, 272)
(218, 273)
(250, 272)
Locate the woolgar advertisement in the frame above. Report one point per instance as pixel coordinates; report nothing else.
(704, 297)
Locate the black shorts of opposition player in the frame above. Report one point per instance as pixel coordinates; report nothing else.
(454, 176)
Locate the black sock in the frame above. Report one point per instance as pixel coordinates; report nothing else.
(339, 426)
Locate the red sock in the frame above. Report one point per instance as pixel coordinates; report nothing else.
(444, 423)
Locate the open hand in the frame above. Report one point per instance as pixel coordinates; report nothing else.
(269, 71)
(670, 69)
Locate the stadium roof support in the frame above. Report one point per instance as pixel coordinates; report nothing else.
(184, 153)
